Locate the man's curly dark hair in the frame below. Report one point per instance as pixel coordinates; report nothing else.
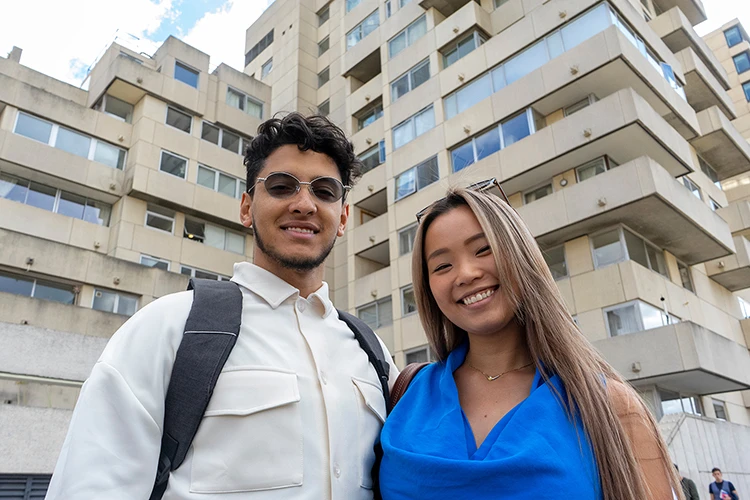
(316, 133)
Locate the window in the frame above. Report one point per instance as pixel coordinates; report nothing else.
(323, 46)
(408, 301)
(413, 127)
(388, 10)
(469, 95)
(54, 200)
(555, 259)
(262, 45)
(417, 178)
(323, 77)
(635, 316)
(185, 74)
(324, 108)
(463, 47)
(266, 68)
(179, 120)
(420, 355)
(350, 4)
(746, 89)
(323, 15)
(173, 164)
(147, 260)
(199, 273)
(224, 138)
(742, 62)
(114, 302)
(401, 3)
(733, 36)
(373, 157)
(620, 244)
(578, 106)
(67, 140)
(673, 402)
(480, 146)
(115, 107)
(369, 114)
(23, 486)
(720, 409)
(377, 314)
(406, 239)
(410, 80)
(594, 168)
(744, 307)
(214, 236)
(243, 102)
(498, 3)
(537, 193)
(687, 280)
(709, 171)
(363, 29)
(407, 37)
(220, 182)
(692, 186)
(712, 203)
(38, 289)
(160, 218)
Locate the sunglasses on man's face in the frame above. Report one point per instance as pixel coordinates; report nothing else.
(491, 186)
(282, 185)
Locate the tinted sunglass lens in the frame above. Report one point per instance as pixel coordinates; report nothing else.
(281, 185)
(327, 189)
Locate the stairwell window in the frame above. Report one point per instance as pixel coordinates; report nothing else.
(733, 36)
(324, 45)
(323, 15)
(324, 76)
(266, 69)
(742, 62)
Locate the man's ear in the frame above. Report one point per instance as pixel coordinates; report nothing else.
(246, 210)
(343, 221)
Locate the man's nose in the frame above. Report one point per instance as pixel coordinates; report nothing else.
(303, 201)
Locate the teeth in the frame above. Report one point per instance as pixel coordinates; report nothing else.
(478, 297)
(300, 230)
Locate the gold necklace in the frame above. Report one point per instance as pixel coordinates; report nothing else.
(492, 378)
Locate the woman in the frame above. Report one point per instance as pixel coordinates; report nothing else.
(519, 405)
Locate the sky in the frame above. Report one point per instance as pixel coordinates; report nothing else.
(63, 38)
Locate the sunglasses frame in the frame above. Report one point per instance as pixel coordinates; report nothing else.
(480, 186)
(344, 191)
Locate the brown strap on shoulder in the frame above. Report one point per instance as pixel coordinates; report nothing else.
(403, 381)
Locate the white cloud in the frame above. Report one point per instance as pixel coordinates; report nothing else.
(62, 38)
(221, 34)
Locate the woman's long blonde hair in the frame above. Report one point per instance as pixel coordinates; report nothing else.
(554, 341)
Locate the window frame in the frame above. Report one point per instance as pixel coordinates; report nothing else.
(377, 303)
(412, 122)
(746, 55)
(409, 75)
(45, 282)
(476, 36)
(667, 319)
(52, 141)
(351, 4)
(324, 15)
(692, 187)
(195, 270)
(327, 72)
(578, 106)
(373, 110)
(327, 42)
(430, 355)
(179, 112)
(117, 294)
(713, 205)
(537, 188)
(202, 241)
(405, 32)
(411, 230)
(415, 170)
(564, 261)
(245, 98)
(688, 273)
(217, 173)
(189, 69)
(379, 150)
(161, 159)
(723, 405)
(102, 106)
(325, 104)
(608, 162)
(736, 29)
(157, 259)
(158, 216)
(402, 292)
(360, 28)
(266, 68)
(621, 228)
(243, 139)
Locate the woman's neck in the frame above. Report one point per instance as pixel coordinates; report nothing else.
(499, 352)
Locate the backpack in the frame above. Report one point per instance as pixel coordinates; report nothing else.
(211, 331)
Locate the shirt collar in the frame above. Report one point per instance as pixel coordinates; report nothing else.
(275, 290)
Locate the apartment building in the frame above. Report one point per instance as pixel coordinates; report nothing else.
(611, 125)
(109, 198)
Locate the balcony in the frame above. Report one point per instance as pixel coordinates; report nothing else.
(370, 234)
(371, 286)
(445, 7)
(642, 195)
(693, 10)
(461, 21)
(733, 271)
(737, 215)
(702, 88)
(362, 61)
(721, 144)
(367, 93)
(677, 33)
(683, 357)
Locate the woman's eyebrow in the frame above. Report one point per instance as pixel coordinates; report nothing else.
(468, 241)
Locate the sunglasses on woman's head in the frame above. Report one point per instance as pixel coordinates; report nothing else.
(488, 185)
(282, 185)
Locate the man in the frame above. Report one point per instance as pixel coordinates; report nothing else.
(688, 486)
(720, 489)
(297, 407)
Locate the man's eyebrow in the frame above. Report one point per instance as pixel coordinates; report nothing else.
(468, 241)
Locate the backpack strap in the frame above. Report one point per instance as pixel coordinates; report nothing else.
(369, 343)
(403, 381)
(211, 331)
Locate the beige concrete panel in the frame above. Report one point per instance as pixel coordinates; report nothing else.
(650, 286)
(143, 130)
(182, 94)
(411, 55)
(341, 277)
(168, 282)
(672, 269)
(169, 187)
(566, 291)
(151, 108)
(373, 286)
(592, 325)
(372, 182)
(506, 15)
(202, 256)
(458, 23)
(418, 150)
(517, 95)
(91, 236)
(176, 141)
(116, 274)
(403, 269)
(158, 243)
(121, 236)
(133, 210)
(113, 130)
(415, 101)
(234, 119)
(368, 136)
(359, 13)
(469, 122)
(216, 204)
(105, 178)
(50, 257)
(578, 256)
(505, 44)
(366, 94)
(528, 153)
(678, 300)
(35, 221)
(605, 116)
(35, 155)
(370, 233)
(547, 214)
(218, 158)
(407, 207)
(412, 334)
(567, 67)
(597, 289)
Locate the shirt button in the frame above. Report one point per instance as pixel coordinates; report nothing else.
(302, 306)
(336, 471)
(323, 378)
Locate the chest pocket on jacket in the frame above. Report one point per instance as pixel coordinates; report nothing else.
(370, 418)
(250, 438)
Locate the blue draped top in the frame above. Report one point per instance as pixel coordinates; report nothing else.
(534, 451)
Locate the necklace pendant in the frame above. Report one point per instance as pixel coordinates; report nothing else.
(490, 378)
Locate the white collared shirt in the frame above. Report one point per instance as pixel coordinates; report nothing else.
(295, 412)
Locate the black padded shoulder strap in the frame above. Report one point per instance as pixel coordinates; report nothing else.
(369, 343)
(211, 331)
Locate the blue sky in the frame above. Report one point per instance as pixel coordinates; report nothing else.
(59, 41)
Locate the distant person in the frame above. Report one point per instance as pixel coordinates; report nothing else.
(720, 489)
(688, 486)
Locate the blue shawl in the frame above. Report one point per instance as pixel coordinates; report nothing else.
(534, 451)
